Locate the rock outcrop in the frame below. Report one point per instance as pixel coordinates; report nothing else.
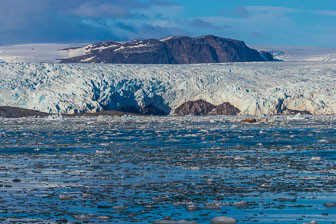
(14, 112)
(253, 120)
(172, 50)
(201, 107)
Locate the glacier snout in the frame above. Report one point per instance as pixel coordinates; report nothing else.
(253, 88)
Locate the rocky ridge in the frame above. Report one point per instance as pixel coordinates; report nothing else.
(201, 107)
(15, 112)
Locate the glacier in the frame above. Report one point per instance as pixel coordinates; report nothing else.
(256, 88)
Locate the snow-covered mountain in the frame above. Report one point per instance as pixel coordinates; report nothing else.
(55, 52)
(254, 88)
(172, 50)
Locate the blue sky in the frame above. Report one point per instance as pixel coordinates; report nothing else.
(257, 22)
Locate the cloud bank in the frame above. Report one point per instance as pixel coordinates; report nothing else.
(41, 21)
(83, 20)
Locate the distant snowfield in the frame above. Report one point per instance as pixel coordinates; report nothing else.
(300, 53)
(255, 88)
(34, 52)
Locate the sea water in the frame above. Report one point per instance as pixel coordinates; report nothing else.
(167, 170)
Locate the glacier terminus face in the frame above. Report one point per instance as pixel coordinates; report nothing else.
(255, 88)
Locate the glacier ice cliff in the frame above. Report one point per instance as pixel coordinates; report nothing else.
(254, 88)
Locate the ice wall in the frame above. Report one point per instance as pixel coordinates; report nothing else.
(255, 88)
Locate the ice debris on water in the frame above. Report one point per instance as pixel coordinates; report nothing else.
(156, 187)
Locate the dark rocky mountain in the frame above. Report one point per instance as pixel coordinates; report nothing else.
(171, 50)
(225, 109)
(199, 107)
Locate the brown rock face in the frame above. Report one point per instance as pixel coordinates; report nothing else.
(173, 50)
(225, 109)
(252, 120)
(201, 107)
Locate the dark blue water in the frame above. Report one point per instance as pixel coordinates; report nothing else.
(141, 170)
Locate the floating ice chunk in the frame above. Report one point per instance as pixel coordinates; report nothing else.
(223, 220)
(240, 204)
(323, 141)
(83, 216)
(312, 222)
(194, 168)
(266, 185)
(296, 117)
(64, 197)
(120, 207)
(315, 158)
(103, 217)
(213, 205)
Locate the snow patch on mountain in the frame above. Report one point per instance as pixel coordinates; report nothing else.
(75, 52)
(88, 59)
(167, 38)
(254, 88)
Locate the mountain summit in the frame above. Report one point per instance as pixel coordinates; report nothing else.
(170, 50)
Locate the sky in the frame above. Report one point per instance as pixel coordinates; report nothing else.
(257, 22)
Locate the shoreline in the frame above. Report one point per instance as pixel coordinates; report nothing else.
(17, 112)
